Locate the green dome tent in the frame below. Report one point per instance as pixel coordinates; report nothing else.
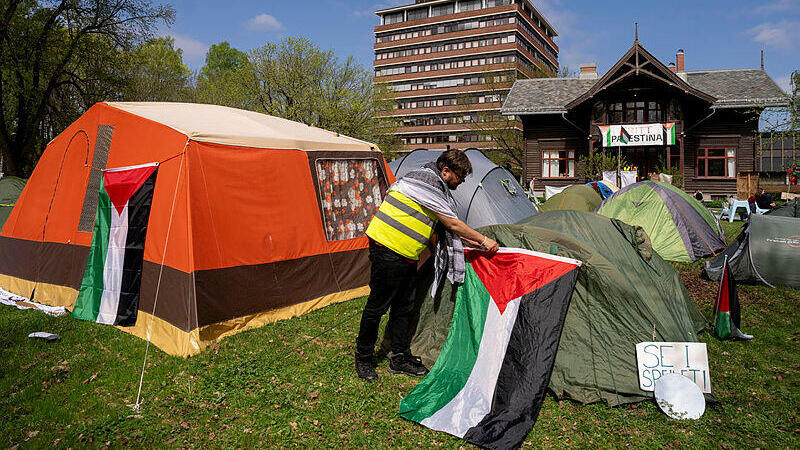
(10, 190)
(680, 228)
(767, 250)
(579, 197)
(624, 291)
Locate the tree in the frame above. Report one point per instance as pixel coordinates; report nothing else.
(56, 59)
(156, 72)
(296, 80)
(224, 78)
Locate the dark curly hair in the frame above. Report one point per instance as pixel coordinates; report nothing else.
(455, 160)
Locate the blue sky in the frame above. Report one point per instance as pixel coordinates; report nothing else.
(715, 34)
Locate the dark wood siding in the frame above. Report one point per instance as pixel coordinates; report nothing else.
(550, 132)
(726, 128)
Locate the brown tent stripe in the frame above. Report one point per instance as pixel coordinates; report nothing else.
(222, 294)
(45, 262)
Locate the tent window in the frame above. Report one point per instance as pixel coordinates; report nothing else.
(351, 191)
(101, 146)
(558, 163)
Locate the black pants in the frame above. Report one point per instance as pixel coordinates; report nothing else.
(391, 284)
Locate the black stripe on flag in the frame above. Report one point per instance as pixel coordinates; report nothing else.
(527, 365)
(138, 218)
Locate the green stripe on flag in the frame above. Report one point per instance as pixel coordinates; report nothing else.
(722, 324)
(87, 304)
(462, 344)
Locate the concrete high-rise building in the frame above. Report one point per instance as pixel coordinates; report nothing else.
(451, 63)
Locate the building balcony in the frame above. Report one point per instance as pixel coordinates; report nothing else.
(472, 89)
(452, 109)
(486, 50)
(452, 128)
(472, 70)
(459, 16)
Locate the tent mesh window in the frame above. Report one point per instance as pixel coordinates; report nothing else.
(351, 191)
(99, 160)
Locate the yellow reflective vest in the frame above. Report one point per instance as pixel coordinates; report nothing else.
(402, 225)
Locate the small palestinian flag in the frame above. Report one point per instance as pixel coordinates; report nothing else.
(111, 282)
(727, 313)
(624, 136)
(490, 379)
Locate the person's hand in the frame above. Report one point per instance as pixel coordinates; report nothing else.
(491, 246)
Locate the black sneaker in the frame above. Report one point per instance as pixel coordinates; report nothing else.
(407, 364)
(365, 369)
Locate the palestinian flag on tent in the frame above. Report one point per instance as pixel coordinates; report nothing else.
(727, 312)
(490, 379)
(111, 282)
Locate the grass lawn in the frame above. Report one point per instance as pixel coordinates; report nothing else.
(258, 389)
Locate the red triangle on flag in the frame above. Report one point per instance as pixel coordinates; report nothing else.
(512, 273)
(121, 184)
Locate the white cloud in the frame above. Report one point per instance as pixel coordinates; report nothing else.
(263, 22)
(778, 6)
(194, 51)
(783, 35)
(783, 83)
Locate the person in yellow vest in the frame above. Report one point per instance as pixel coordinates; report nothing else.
(401, 229)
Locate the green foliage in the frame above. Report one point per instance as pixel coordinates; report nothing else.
(156, 72)
(56, 60)
(598, 162)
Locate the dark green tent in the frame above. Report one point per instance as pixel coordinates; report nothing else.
(767, 250)
(579, 197)
(10, 189)
(625, 294)
(790, 209)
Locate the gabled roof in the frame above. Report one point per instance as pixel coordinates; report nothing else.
(231, 126)
(738, 88)
(733, 88)
(637, 61)
(544, 95)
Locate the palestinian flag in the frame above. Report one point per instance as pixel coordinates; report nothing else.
(624, 136)
(669, 134)
(111, 282)
(727, 313)
(490, 379)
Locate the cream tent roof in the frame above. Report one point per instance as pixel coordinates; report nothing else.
(231, 126)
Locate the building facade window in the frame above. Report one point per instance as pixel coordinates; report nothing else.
(417, 14)
(635, 112)
(469, 5)
(443, 10)
(389, 19)
(558, 163)
(716, 162)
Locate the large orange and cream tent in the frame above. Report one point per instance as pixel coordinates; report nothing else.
(252, 218)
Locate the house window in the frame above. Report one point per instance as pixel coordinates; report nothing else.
(654, 112)
(558, 163)
(634, 112)
(351, 191)
(615, 113)
(716, 162)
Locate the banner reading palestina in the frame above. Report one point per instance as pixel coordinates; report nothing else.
(490, 379)
(112, 280)
(638, 134)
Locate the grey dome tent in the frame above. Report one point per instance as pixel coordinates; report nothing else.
(767, 250)
(624, 292)
(490, 196)
(790, 209)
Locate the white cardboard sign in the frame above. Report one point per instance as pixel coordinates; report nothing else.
(656, 359)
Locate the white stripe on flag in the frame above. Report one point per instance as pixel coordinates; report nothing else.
(112, 272)
(474, 401)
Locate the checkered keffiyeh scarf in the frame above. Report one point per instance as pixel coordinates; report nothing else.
(426, 187)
